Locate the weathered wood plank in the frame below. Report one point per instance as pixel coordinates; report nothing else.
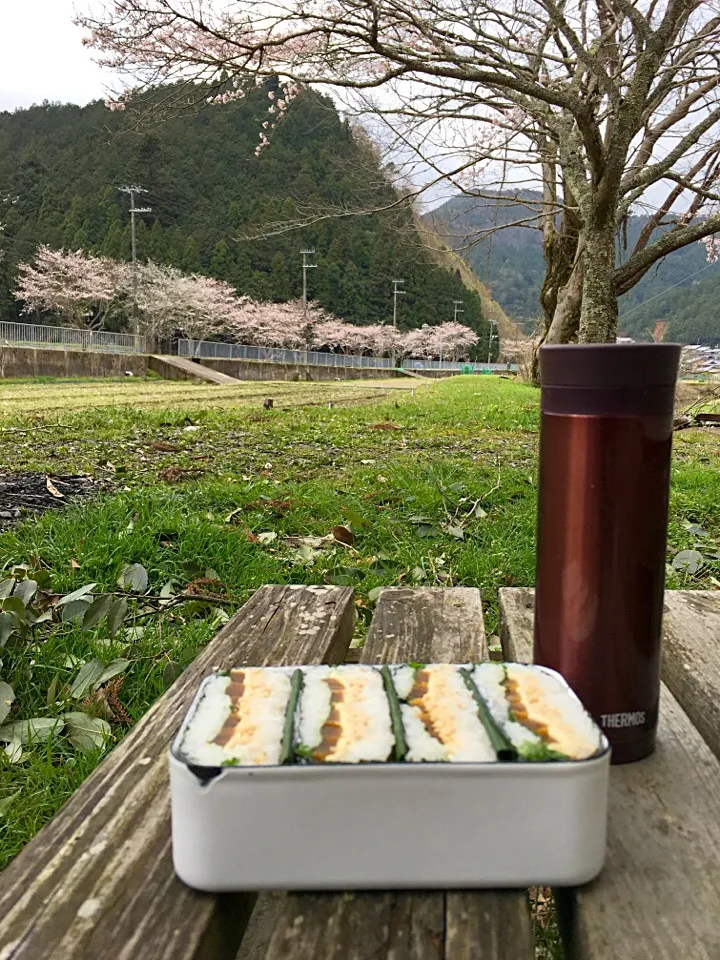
(488, 926)
(97, 882)
(657, 897)
(358, 926)
(517, 622)
(691, 658)
(426, 625)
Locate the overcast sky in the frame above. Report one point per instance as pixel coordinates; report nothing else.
(41, 56)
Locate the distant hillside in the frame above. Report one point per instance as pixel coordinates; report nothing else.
(511, 265)
(451, 260)
(206, 189)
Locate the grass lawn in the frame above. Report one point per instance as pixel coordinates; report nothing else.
(203, 488)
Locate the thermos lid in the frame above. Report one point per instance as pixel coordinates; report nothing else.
(634, 365)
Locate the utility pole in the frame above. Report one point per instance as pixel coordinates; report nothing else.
(490, 340)
(456, 304)
(396, 292)
(305, 267)
(133, 210)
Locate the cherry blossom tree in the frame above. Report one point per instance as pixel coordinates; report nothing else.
(418, 344)
(357, 339)
(607, 106)
(195, 305)
(382, 339)
(77, 286)
(288, 325)
(331, 334)
(452, 341)
(87, 290)
(444, 341)
(376, 339)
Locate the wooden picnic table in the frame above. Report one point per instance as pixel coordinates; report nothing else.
(97, 881)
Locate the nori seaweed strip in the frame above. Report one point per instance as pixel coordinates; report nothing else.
(286, 751)
(541, 753)
(500, 743)
(395, 715)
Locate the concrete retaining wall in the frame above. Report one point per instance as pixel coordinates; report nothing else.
(264, 370)
(34, 362)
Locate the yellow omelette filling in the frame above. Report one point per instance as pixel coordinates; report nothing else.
(248, 732)
(355, 730)
(535, 709)
(440, 699)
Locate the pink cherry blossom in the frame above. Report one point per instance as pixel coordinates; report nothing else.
(712, 247)
(87, 290)
(77, 286)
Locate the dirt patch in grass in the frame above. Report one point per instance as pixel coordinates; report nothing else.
(28, 493)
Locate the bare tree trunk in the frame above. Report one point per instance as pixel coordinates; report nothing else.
(599, 310)
(584, 309)
(560, 247)
(566, 319)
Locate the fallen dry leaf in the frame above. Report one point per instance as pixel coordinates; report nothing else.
(198, 587)
(165, 447)
(315, 543)
(343, 534)
(74, 564)
(178, 474)
(53, 489)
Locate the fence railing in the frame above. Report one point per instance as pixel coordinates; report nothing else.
(211, 350)
(68, 338)
(464, 366)
(208, 349)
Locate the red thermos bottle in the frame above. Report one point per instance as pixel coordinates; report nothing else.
(605, 441)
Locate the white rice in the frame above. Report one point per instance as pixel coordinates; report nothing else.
(571, 730)
(256, 740)
(365, 726)
(452, 711)
(313, 706)
(421, 746)
(403, 678)
(489, 679)
(212, 711)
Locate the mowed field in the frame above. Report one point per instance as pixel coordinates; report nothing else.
(55, 396)
(212, 496)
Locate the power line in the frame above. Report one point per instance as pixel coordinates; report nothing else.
(663, 292)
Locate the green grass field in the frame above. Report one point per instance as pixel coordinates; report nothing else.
(204, 488)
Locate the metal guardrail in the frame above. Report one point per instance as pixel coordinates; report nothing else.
(68, 338)
(209, 349)
(462, 366)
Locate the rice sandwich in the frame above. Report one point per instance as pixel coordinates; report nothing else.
(408, 713)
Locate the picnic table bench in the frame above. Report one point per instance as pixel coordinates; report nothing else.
(97, 881)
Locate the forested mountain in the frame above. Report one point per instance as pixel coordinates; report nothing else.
(511, 265)
(61, 166)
